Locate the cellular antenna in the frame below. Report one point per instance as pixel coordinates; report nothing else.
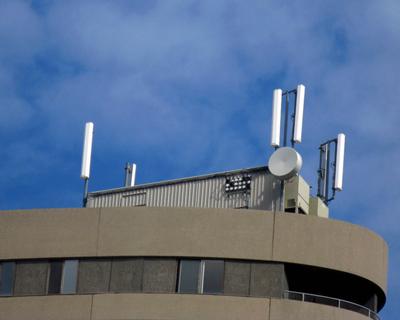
(86, 158)
(130, 174)
(276, 118)
(326, 193)
(341, 140)
(298, 118)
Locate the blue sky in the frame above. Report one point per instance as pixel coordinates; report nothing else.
(184, 88)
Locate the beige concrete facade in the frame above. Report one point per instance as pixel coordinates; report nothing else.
(331, 244)
(185, 232)
(48, 233)
(165, 307)
(74, 307)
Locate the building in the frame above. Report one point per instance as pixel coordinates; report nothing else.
(209, 247)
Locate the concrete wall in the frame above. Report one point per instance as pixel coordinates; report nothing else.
(94, 275)
(48, 233)
(219, 233)
(126, 275)
(31, 278)
(267, 280)
(237, 278)
(159, 275)
(166, 307)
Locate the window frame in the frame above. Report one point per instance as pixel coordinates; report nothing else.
(180, 276)
(61, 284)
(200, 276)
(76, 271)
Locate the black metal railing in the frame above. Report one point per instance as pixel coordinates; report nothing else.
(334, 302)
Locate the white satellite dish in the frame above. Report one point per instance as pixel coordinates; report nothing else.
(285, 163)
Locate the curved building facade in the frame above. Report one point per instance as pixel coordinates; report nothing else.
(187, 263)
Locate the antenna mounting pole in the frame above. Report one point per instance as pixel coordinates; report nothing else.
(128, 172)
(293, 121)
(85, 192)
(286, 119)
(324, 175)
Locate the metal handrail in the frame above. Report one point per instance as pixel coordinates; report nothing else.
(335, 302)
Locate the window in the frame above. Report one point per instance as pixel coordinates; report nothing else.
(201, 276)
(189, 276)
(62, 277)
(7, 272)
(213, 279)
(55, 275)
(70, 275)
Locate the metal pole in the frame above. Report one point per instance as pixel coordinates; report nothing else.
(85, 192)
(334, 172)
(282, 195)
(320, 172)
(286, 120)
(328, 157)
(293, 119)
(127, 174)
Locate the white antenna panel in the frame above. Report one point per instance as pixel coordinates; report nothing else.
(87, 150)
(341, 140)
(298, 121)
(276, 118)
(133, 175)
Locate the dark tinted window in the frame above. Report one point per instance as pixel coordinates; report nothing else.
(7, 270)
(69, 278)
(213, 281)
(189, 276)
(55, 277)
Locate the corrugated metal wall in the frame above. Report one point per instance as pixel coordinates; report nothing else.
(197, 192)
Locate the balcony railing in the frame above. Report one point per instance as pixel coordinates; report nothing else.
(339, 303)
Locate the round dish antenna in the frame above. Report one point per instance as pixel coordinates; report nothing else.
(285, 163)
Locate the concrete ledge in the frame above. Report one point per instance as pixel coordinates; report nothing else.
(46, 233)
(74, 307)
(236, 234)
(330, 244)
(188, 232)
(166, 307)
(174, 306)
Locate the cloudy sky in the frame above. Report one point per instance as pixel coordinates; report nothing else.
(184, 87)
